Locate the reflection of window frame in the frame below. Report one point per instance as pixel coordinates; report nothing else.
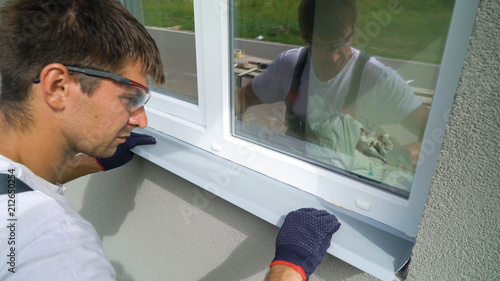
(377, 219)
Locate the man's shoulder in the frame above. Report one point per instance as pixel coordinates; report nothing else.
(374, 64)
(286, 62)
(374, 70)
(290, 55)
(38, 204)
(295, 50)
(282, 66)
(18, 172)
(44, 218)
(36, 209)
(49, 231)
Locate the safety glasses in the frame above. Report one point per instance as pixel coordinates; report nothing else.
(133, 102)
(333, 47)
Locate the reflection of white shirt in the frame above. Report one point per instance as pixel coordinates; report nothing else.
(384, 97)
(52, 241)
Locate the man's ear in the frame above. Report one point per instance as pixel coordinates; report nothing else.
(55, 83)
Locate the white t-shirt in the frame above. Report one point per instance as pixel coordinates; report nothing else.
(384, 97)
(52, 241)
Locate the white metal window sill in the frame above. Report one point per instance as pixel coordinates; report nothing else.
(362, 242)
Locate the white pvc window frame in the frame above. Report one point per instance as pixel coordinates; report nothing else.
(379, 228)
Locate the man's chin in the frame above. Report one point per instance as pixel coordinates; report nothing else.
(104, 153)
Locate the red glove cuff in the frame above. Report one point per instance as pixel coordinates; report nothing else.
(297, 268)
(99, 164)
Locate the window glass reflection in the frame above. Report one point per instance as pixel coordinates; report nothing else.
(171, 24)
(354, 96)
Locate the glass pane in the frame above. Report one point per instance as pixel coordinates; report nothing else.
(361, 119)
(171, 24)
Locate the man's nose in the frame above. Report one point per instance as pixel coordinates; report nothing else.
(138, 118)
(327, 55)
(335, 56)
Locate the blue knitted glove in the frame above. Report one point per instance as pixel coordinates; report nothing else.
(304, 238)
(123, 154)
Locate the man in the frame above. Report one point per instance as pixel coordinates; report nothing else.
(74, 83)
(319, 110)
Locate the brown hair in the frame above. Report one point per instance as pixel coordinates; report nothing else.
(98, 34)
(328, 19)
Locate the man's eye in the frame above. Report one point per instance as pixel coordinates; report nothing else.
(129, 100)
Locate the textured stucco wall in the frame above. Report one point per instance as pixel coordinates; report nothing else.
(157, 226)
(459, 236)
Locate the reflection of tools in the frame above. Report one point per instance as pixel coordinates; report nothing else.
(239, 62)
(262, 65)
(248, 71)
(246, 66)
(238, 53)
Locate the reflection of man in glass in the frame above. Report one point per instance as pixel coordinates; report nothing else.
(383, 97)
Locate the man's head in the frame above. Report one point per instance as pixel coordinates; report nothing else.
(329, 20)
(327, 27)
(93, 34)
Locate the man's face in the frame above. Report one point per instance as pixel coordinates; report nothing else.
(102, 121)
(330, 56)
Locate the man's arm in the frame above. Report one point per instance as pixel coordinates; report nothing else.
(279, 272)
(78, 166)
(245, 97)
(82, 164)
(415, 122)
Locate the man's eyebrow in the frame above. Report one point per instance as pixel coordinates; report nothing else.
(131, 92)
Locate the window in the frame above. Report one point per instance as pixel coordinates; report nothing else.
(376, 137)
(249, 158)
(171, 24)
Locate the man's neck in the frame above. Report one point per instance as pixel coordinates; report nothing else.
(39, 150)
(325, 74)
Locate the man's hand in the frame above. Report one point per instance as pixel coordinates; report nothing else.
(400, 157)
(303, 240)
(244, 98)
(123, 154)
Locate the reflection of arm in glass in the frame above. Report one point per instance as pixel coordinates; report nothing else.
(386, 99)
(245, 97)
(269, 86)
(415, 123)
